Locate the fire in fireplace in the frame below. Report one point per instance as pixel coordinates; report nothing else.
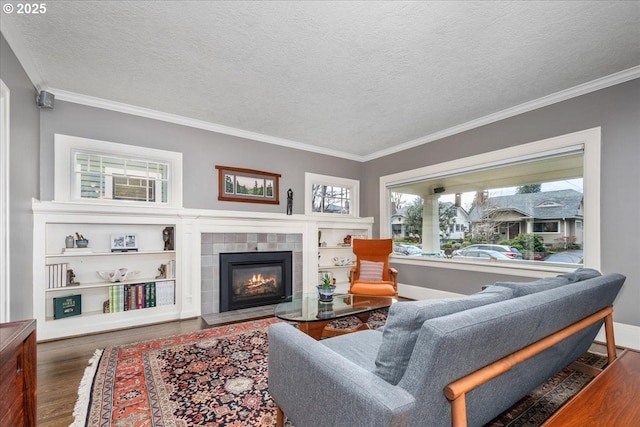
(251, 279)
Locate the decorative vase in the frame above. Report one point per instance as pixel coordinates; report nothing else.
(326, 293)
(68, 242)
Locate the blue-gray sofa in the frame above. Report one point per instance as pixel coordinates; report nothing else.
(396, 376)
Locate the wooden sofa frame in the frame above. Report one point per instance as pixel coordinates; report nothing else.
(456, 391)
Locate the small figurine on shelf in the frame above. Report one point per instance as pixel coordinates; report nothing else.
(167, 237)
(163, 271)
(347, 239)
(71, 277)
(289, 202)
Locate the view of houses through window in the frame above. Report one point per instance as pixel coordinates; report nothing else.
(109, 177)
(472, 216)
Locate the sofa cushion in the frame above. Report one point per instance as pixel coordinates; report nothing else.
(370, 270)
(527, 288)
(406, 318)
(360, 348)
(581, 274)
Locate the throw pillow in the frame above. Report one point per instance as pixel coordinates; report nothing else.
(581, 274)
(371, 271)
(526, 288)
(405, 320)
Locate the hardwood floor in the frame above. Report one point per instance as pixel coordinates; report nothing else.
(61, 365)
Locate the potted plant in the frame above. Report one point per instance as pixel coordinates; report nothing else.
(326, 288)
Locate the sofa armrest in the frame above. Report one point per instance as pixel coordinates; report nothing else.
(315, 386)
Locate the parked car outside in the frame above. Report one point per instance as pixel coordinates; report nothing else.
(481, 253)
(407, 250)
(571, 257)
(509, 251)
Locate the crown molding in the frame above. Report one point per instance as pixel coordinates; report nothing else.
(120, 107)
(563, 95)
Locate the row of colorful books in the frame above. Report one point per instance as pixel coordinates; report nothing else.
(143, 295)
(56, 275)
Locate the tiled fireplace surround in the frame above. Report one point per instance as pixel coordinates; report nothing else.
(212, 244)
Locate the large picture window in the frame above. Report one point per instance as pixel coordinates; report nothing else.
(529, 203)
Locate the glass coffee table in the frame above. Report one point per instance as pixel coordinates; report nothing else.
(313, 315)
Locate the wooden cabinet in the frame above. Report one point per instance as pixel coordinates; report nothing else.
(18, 373)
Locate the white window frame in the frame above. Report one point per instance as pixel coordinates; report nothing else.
(589, 140)
(311, 179)
(66, 190)
(4, 204)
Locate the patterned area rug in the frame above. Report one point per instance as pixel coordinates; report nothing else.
(218, 377)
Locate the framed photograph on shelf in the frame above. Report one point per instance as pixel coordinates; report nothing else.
(124, 242)
(247, 185)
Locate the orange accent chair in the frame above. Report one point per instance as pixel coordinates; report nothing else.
(372, 274)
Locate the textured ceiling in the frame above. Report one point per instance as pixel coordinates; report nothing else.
(351, 78)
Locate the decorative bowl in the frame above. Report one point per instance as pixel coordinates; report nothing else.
(82, 243)
(119, 275)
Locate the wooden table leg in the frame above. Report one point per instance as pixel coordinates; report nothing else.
(313, 329)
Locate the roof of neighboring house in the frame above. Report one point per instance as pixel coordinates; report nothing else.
(546, 205)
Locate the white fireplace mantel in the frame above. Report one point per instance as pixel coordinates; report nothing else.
(190, 224)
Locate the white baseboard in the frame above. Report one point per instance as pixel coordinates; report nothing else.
(418, 293)
(627, 336)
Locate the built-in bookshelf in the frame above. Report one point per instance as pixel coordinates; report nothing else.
(335, 255)
(109, 286)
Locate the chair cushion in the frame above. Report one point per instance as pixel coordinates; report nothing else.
(406, 318)
(370, 270)
(379, 287)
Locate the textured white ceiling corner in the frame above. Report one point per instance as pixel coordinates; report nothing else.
(354, 79)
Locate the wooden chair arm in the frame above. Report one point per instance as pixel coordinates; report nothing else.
(457, 390)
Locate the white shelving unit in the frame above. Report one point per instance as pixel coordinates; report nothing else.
(332, 245)
(54, 221)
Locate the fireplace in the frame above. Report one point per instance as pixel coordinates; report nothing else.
(251, 279)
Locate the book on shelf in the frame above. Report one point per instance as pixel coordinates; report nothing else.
(77, 251)
(56, 275)
(70, 305)
(168, 270)
(165, 292)
(141, 295)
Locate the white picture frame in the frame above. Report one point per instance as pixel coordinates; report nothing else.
(124, 242)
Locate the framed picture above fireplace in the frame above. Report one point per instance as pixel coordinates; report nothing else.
(247, 185)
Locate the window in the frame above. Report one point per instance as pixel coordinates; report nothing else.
(109, 177)
(116, 173)
(327, 195)
(546, 227)
(530, 197)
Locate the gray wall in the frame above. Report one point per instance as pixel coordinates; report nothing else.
(23, 179)
(201, 149)
(617, 111)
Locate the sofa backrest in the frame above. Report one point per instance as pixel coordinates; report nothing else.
(406, 318)
(450, 347)
(544, 284)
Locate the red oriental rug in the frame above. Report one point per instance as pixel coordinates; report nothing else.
(218, 377)
(214, 377)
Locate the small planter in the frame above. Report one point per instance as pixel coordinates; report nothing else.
(326, 293)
